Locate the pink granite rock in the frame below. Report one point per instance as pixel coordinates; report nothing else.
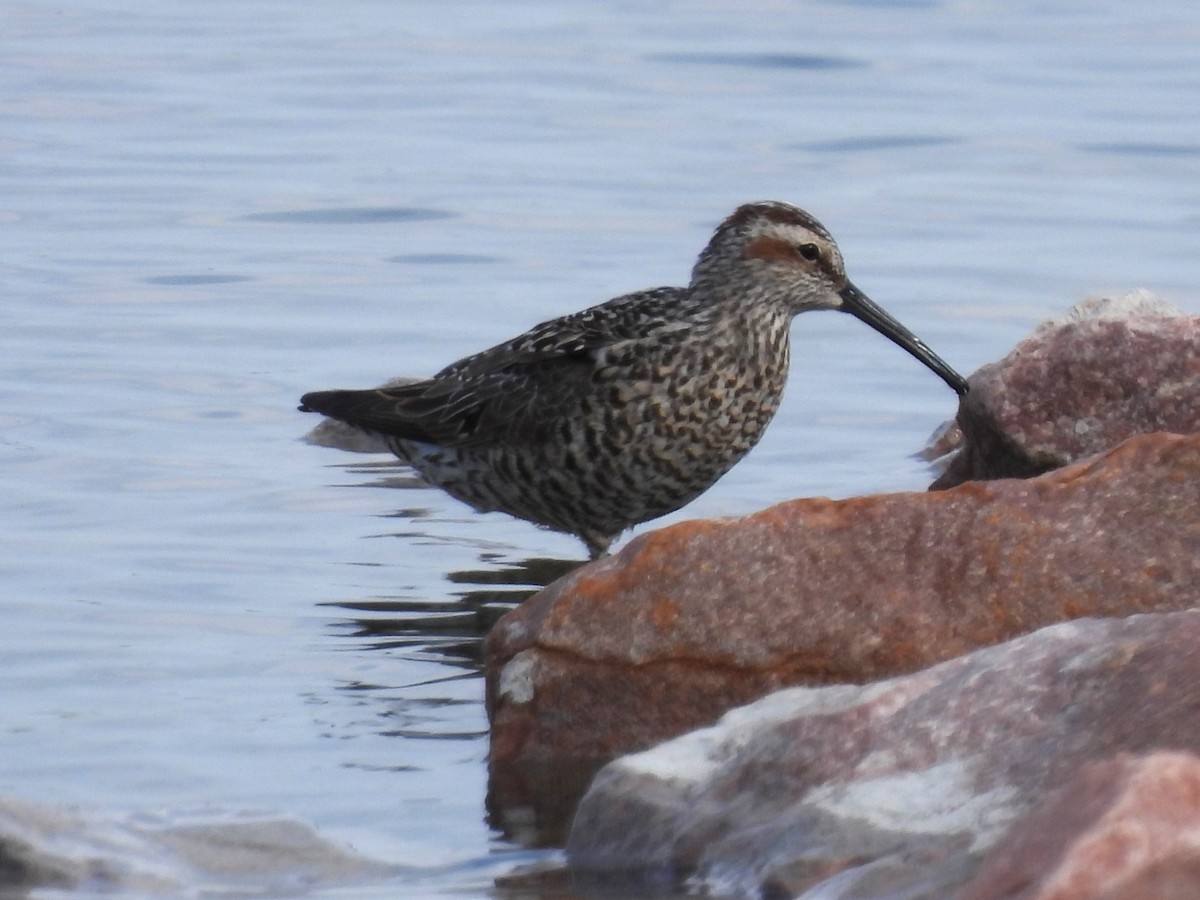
(1122, 829)
(692, 620)
(1077, 386)
(900, 788)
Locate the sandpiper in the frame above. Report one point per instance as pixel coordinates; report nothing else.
(606, 418)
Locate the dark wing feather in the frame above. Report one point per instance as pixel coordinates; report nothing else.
(630, 317)
(515, 390)
(386, 411)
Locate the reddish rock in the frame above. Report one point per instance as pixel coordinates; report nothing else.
(694, 619)
(1123, 829)
(902, 787)
(1077, 386)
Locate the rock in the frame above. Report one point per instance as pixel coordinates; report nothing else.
(1079, 385)
(100, 853)
(692, 620)
(1121, 829)
(900, 788)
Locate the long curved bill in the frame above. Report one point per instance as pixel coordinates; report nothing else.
(863, 308)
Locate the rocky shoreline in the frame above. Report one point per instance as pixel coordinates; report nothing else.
(978, 691)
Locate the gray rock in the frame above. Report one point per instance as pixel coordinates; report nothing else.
(43, 846)
(898, 788)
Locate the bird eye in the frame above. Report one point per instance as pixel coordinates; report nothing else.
(811, 252)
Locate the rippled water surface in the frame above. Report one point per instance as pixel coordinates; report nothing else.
(210, 208)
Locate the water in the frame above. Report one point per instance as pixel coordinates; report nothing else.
(211, 208)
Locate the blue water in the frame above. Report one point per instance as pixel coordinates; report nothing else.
(210, 208)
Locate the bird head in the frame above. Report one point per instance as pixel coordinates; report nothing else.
(776, 254)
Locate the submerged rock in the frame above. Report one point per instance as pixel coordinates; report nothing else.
(101, 853)
(1079, 385)
(692, 620)
(901, 788)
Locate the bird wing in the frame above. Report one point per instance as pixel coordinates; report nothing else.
(514, 391)
(630, 317)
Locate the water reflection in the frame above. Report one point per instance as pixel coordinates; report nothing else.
(531, 574)
(449, 630)
(533, 804)
(453, 628)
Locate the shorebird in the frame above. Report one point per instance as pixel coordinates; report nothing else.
(623, 412)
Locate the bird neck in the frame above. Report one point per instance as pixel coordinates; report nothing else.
(756, 333)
